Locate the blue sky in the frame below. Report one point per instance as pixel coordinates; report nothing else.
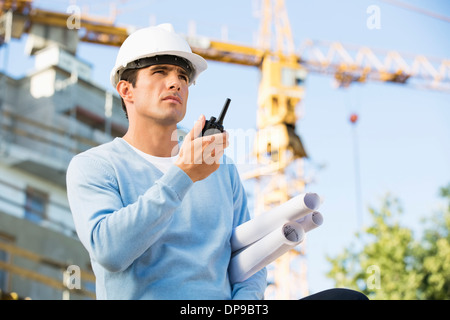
(403, 133)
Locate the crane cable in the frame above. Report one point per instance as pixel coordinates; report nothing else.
(358, 192)
(410, 7)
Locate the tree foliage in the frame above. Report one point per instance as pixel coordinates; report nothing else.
(387, 262)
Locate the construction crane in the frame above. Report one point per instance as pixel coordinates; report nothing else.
(278, 149)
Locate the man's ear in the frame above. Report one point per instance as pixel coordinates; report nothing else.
(124, 88)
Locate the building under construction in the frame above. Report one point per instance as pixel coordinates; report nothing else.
(47, 117)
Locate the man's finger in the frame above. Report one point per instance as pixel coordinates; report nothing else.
(220, 138)
(197, 129)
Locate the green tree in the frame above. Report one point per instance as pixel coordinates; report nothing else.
(435, 254)
(388, 263)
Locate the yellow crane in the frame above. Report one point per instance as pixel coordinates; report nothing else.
(277, 146)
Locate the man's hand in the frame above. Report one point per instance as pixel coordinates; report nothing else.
(199, 156)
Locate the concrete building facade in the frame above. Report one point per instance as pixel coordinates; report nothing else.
(46, 117)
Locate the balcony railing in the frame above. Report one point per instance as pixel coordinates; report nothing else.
(38, 136)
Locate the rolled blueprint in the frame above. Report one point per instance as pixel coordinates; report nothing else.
(256, 256)
(311, 221)
(256, 228)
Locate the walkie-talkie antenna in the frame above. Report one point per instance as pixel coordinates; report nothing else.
(213, 126)
(224, 111)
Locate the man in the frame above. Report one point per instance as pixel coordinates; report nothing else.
(157, 217)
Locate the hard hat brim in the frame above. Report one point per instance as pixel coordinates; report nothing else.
(198, 63)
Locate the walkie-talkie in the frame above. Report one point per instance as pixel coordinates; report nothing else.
(212, 126)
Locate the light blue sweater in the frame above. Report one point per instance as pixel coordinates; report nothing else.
(157, 236)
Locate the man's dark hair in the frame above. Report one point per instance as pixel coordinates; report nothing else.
(130, 76)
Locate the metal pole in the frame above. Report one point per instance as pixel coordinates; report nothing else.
(358, 192)
(3, 82)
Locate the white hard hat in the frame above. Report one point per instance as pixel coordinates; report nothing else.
(149, 42)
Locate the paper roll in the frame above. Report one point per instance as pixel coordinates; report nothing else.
(256, 256)
(311, 221)
(256, 228)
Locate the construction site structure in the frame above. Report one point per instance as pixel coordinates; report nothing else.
(46, 117)
(71, 112)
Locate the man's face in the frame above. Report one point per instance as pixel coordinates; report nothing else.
(161, 93)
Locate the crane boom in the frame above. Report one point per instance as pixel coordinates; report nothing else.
(346, 63)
